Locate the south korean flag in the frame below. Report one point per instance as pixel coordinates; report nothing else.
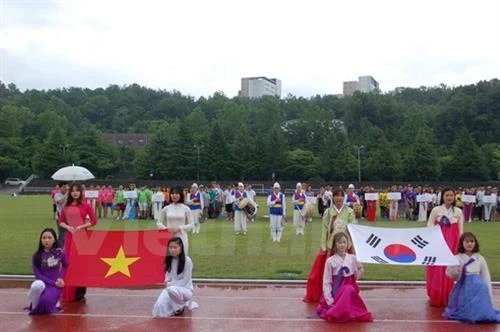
(401, 246)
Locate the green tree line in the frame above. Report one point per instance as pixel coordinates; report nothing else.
(427, 133)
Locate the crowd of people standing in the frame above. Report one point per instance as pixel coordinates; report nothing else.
(332, 281)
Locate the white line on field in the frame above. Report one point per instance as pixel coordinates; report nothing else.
(232, 318)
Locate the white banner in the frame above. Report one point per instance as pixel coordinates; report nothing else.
(371, 196)
(394, 196)
(401, 246)
(469, 198)
(130, 194)
(490, 199)
(311, 200)
(157, 197)
(91, 194)
(424, 198)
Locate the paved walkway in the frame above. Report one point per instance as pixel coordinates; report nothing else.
(242, 307)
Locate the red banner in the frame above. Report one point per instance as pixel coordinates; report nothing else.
(117, 258)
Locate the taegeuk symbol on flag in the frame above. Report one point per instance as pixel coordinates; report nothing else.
(401, 246)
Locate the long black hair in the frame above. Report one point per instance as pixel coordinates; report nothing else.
(37, 258)
(181, 257)
(70, 198)
(177, 190)
(442, 197)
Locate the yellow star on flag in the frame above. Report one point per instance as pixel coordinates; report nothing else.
(119, 263)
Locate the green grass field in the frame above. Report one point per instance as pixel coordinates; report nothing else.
(217, 252)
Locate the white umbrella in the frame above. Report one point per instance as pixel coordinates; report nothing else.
(72, 173)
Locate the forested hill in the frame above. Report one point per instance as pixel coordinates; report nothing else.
(435, 133)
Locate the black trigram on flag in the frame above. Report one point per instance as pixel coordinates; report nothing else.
(429, 260)
(378, 259)
(419, 242)
(373, 240)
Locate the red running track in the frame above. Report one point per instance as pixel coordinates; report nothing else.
(228, 308)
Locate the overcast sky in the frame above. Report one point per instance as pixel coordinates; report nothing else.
(202, 46)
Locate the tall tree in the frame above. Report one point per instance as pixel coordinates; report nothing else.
(160, 157)
(301, 165)
(467, 162)
(420, 160)
(242, 163)
(51, 156)
(383, 163)
(219, 154)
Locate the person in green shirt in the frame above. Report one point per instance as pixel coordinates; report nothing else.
(120, 202)
(142, 199)
(149, 196)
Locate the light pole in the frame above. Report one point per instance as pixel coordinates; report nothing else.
(198, 148)
(359, 161)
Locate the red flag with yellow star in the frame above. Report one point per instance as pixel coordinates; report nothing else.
(117, 258)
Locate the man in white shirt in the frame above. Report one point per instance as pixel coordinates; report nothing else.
(228, 202)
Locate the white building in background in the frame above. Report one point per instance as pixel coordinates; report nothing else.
(256, 87)
(367, 84)
(364, 84)
(350, 87)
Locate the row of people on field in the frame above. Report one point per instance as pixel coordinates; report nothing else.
(332, 280)
(408, 206)
(219, 201)
(199, 199)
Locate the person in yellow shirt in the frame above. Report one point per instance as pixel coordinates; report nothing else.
(458, 198)
(384, 203)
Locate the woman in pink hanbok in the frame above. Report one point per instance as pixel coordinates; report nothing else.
(450, 219)
(341, 301)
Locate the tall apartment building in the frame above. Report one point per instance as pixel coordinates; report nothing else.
(363, 84)
(256, 87)
(367, 84)
(350, 87)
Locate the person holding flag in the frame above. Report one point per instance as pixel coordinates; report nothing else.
(73, 218)
(178, 292)
(277, 211)
(450, 219)
(335, 220)
(49, 267)
(341, 302)
(471, 299)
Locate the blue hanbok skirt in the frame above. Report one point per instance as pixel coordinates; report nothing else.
(470, 302)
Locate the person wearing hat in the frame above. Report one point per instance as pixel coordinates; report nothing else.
(194, 201)
(352, 201)
(299, 200)
(351, 198)
(277, 211)
(240, 218)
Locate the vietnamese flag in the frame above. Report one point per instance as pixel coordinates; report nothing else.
(117, 258)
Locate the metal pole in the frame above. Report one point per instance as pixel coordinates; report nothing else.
(198, 147)
(359, 166)
(198, 166)
(359, 161)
